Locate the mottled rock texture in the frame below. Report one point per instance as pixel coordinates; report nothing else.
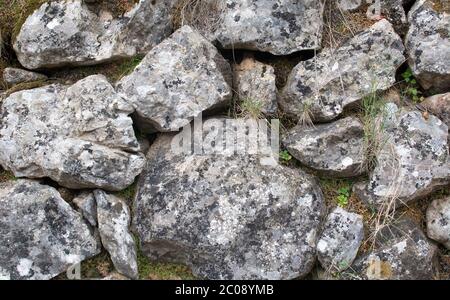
(255, 84)
(69, 32)
(413, 161)
(114, 219)
(178, 80)
(80, 136)
(321, 87)
(428, 44)
(280, 27)
(402, 252)
(439, 105)
(87, 206)
(40, 234)
(343, 233)
(438, 221)
(335, 149)
(227, 215)
(13, 76)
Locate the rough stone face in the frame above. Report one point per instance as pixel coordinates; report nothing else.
(177, 80)
(280, 28)
(87, 205)
(336, 149)
(438, 221)
(321, 87)
(428, 44)
(439, 105)
(342, 235)
(71, 33)
(227, 216)
(402, 252)
(80, 136)
(113, 224)
(349, 5)
(40, 234)
(13, 76)
(255, 82)
(413, 161)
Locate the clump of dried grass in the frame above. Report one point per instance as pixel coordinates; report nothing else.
(202, 15)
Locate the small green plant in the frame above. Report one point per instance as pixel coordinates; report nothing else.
(251, 108)
(344, 195)
(412, 89)
(127, 67)
(285, 156)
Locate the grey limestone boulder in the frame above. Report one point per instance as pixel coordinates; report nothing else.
(41, 236)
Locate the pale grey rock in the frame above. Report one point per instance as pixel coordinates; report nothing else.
(114, 220)
(349, 5)
(394, 12)
(13, 76)
(280, 27)
(428, 44)
(80, 136)
(227, 216)
(343, 233)
(402, 252)
(413, 161)
(87, 206)
(438, 221)
(68, 32)
(41, 236)
(255, 82)
(323, 86)
(177, 80)
(335, 149)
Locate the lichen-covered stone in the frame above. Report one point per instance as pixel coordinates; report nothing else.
(179, 79)
(255, 83)
(343, 233)
(322, 86)
(80, 136)
(428, 44)
(402, 252)
(113, 224)
(438, 221)
(13, 76)
(87, 206)
(40, 234)
(68, 32)
(227, 216)
(280, 27)
(335, 149)
(413, 161)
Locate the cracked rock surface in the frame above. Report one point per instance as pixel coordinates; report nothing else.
(40, 234)
(80, 136)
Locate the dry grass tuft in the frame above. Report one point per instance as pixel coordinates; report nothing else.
(341, 25)
(203, 15)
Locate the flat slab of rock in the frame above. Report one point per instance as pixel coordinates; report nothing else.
(80, 136)
(280, 27)
(255, 84)
(41, 236)
(428, 44)
(13, 76)
(403, 252)
(343, 233)
(179, 79)
(113, 224)
(335, 149)
(438, 221)
(227, 216)
(321, 87)
(413, 161)
(71, 33)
